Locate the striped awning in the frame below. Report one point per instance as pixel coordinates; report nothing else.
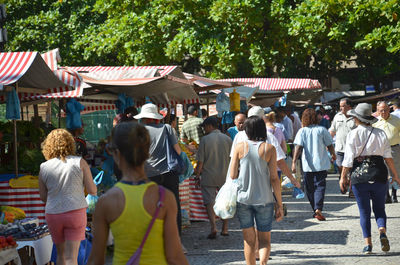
(71, 83)
(164, 85)
(29, 70)
(279, 84)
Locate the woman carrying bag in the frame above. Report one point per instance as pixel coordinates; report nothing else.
(257, 181)
(134, 209)
(366, 152)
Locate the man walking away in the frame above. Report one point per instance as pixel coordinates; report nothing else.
(390, 124)
(212, 165)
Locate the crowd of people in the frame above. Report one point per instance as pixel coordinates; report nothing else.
(256, 151)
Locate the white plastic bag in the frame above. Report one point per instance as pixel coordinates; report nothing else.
(225, 202)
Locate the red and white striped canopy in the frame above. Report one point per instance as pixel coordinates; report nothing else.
(71, 83)
(28, 69)
(165, 85)
(13, 66)
(279, 84)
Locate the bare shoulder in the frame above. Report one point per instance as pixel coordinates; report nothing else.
(112, 202)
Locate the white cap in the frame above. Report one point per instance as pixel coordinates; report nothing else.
(256, 111)
(149, 111)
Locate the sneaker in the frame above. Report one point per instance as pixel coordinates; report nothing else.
(286, 183)
(367, 249)
(394, 199)
(384, 242)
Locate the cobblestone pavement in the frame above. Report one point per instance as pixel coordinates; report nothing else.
(301, 239)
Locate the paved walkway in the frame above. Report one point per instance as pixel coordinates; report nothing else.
(301, 239)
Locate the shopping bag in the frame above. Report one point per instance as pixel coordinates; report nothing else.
(225, 202)
(91, 200)
(174, 161)
(189, 168)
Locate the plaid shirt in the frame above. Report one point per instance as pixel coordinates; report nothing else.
(192, 130)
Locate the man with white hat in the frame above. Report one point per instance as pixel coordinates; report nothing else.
(156, 166)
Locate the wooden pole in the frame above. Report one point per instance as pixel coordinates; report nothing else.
(48, 113)
(59, 113)
(22, 113)
(15, 139)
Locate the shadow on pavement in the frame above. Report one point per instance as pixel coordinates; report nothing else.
(333, 237)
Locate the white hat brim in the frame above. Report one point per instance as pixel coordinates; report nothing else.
(148, 116)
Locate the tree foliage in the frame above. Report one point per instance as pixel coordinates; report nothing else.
(219, 38)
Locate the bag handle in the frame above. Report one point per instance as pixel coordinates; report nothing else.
(160, 203)
(99, 177)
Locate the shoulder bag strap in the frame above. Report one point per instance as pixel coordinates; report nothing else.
(160, 203)
(366, 142)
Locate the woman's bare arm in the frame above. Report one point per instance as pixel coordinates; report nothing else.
(172, 242)
(235, 161)
(87, 178)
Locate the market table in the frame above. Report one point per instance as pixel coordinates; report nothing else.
(42, 248)
(191, 199)
(8, 255)
(28, 199)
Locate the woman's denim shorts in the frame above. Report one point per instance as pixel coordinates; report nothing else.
(263, 214)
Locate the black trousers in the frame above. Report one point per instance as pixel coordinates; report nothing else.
(170, 181)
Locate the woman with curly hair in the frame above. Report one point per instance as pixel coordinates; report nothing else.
(62, 180)
(313, 140)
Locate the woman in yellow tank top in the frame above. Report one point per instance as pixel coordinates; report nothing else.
(129, 206)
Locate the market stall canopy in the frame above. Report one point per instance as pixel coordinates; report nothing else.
(271, 89)
(29, 70)
(331, 96)
(278, 84)
(203, 84)
(164, 85)
(68, 83)
(383, 96)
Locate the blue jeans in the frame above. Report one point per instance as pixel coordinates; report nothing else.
(263, 214)
(315, 184)
(364, 192)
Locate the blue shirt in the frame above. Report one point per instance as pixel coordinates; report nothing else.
(314, 139)
(288, 124)
(232, 132)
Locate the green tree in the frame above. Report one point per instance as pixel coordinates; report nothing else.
(42, 25)
(218, 38)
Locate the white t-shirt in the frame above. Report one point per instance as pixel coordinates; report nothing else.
(271, 139)
(64, 183)
(378, 144)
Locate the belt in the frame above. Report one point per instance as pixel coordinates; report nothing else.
(394, 145)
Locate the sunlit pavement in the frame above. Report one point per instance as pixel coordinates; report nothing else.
(301, 239)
